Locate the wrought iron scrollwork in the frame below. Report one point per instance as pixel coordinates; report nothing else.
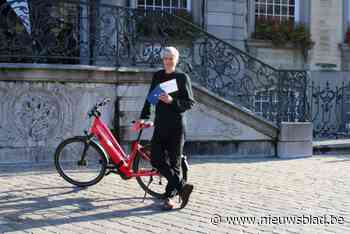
(329, 107)
(82, 32)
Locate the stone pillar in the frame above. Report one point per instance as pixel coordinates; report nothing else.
(227, 21)
(326, 30)
(295, 140)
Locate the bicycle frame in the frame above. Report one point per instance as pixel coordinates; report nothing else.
(110, 144)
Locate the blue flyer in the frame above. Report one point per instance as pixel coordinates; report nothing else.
(165, 87)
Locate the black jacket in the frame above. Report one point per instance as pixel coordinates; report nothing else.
(171, 115)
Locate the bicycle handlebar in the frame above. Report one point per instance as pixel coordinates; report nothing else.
(104, 102)
(95, 109)
(140, 126)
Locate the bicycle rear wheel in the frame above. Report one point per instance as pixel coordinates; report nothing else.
(153, 185)
(80, 162)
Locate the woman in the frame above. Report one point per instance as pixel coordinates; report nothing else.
(169, 132)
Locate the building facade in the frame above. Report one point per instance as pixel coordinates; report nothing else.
(235, 21)
(239, 22)
(271, 36)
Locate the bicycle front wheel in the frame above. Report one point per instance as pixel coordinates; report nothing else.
(80, 162)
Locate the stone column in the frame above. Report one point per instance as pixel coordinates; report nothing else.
(326, 30)
(227, 21)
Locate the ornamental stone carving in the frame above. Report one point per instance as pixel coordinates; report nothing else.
(36, 114)
(5, 135)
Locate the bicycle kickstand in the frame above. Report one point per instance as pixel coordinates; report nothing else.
(149, 183)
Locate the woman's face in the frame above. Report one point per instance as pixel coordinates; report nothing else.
(170, 62)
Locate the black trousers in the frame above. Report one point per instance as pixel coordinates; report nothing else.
(167, 146)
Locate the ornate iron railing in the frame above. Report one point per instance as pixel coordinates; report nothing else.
(86, 33)
(330, 108)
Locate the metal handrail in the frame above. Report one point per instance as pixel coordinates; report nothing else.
(101, 34)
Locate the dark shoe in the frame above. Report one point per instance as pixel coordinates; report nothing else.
(168, 204)
(185, 194)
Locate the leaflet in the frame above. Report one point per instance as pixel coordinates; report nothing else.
(169, 86)
(165, 87)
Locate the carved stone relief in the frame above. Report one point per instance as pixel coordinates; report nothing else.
(5, 135)
(37, 114)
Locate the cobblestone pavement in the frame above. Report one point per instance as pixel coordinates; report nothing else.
(310, 191)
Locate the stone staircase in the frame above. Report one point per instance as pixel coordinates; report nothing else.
(215, 126)
(227, 82)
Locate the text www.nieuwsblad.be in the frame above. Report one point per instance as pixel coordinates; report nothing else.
(326, 219)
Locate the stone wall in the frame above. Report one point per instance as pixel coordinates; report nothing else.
(327, 33)
(44, 104)
(36, 116)
(226, 19)
(286, 57)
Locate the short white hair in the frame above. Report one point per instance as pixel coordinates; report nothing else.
(170, 50)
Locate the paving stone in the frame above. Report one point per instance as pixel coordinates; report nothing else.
(40, 201)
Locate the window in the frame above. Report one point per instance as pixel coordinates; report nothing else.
(166, 5)
(277, 9)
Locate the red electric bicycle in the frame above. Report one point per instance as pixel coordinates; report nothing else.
(85, 160)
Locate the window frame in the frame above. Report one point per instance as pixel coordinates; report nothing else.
(301, 14)
(171, 8)
(296, 12)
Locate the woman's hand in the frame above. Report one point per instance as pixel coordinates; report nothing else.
(166, 98)
(137, 125)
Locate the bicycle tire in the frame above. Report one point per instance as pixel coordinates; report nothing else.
(157, 187)
(95, 158)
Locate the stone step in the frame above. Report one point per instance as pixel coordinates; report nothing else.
(230, 149)
(339, 146)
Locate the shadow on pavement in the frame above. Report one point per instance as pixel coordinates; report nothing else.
(225, 160)
(48, 168)
(14, 209)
